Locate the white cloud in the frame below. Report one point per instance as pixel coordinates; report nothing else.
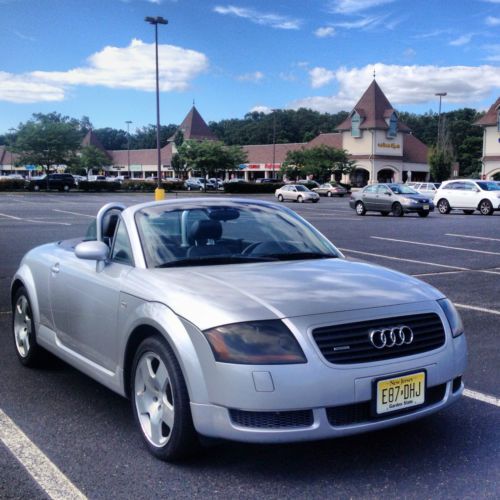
(261, 109)
(325, 32)
(353, 6)
(262, 18)
(405, 85)
(132, 67)
(24, 89)
(254, 77)
(321, 77)
(409, 53)
(492, 21)
(461, 40)
(287, 77)
(491, 1)
(364, 23)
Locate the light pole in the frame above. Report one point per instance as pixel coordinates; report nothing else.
(440, 95)
(11, 130)
(274, 140)
(159, 192)
(128, 122)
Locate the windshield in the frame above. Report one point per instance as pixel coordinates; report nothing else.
(402, 189)
(207, 234)
(489, 186)
(300, 187)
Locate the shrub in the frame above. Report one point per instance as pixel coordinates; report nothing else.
(244, 187)
(99, 186)
(149, 187)
(11, 184)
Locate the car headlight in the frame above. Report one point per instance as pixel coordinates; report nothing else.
(267, 342)
(453, 317)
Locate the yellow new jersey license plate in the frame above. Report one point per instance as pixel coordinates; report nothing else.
(425, 207)
(400, 393)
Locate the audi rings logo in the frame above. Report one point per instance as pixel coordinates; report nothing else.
(390, 337)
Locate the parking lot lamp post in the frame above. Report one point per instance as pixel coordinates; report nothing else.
(128, 122)
(274, 140)
(440, 95)
(159, 192)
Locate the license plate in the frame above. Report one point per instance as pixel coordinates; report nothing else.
(425, 207)
(400, 393)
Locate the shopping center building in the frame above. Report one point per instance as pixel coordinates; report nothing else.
(491, 142)
(382, 147)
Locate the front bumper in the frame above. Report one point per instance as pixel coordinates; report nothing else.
(318, 399)
(418, 207)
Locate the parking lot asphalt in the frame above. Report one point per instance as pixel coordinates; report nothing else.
(89, 434)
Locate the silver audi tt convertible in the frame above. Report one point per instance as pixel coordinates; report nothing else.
(237, 319)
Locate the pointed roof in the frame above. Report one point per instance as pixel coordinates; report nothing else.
(490, 118)
(91, 139)
(373, 108)
(194, 127)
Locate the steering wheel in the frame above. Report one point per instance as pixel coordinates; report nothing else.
(268, 247)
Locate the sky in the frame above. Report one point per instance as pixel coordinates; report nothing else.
(95, 58)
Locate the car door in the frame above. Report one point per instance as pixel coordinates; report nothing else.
(369, 197)
(291, 193)
(384, 198)
(451, 192)
(469, 194)
(85, 298)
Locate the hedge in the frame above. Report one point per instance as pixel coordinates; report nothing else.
(244, 187)
(11, 184)
(148, 186)
(99, 186)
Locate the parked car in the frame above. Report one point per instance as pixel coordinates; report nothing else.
(386, 198)
(96, 178)
(198, 184)
(236, 319)
(427, 188)
(468, 195)
(331, 189)
(13, 176)
(308, 183)
(217, 182)
(61, 182)
(296, 192)
(267, 180)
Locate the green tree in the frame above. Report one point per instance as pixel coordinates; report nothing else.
(320, 162)
(440, 162)
(90, 157)
(179, 138)
(210, 157)
(48, 140)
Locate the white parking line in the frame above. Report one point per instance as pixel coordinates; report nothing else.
(41, 469)
(480, 309)
(472, 237)
(405, 260)
(73, 213)
(333, 219)
(5, 312)
(485, 398)
(36, 221)
(434, 245)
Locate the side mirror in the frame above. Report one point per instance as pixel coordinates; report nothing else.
(92, 250)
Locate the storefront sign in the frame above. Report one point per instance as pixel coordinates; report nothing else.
(136, 168)
(390, 145)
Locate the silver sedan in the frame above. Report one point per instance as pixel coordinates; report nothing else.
(236, 319)
(296, 192)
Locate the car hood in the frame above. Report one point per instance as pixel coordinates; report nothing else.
(209, 296)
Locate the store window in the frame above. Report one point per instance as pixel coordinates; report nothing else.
(355, 123)
(393, 126)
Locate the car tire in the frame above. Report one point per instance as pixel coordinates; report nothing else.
(360, 208)
(397, 210)
(423, 213)
(385, 213)
(189, 188)
(485, 207)
(329, 194)
(160, 401)
(300, 199)
(28, 351)
(201, 188)
(36, 188)
(468, 212)
(66, 188)
(280, 197)
(341, 195)
(443, 206)
(315, 201)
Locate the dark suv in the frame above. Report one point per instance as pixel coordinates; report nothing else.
(62, 182)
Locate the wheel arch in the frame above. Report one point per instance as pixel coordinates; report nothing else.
(481, 201)
(157, 320)
(24, 278)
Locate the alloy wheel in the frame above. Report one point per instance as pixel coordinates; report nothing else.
(154, 399)
(22, 326)
(485, 207)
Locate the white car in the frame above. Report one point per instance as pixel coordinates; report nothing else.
(296, 192)
(468, 195)
(427, 188)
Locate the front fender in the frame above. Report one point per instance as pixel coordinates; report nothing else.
(161, 318)
(24, 276)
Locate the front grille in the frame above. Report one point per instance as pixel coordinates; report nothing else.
(272, 419)
(350, 343)
(362, 412)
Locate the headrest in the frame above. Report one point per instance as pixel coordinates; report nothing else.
(203, 230)
(109, 222)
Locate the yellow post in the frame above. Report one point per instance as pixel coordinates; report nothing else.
(159, 194)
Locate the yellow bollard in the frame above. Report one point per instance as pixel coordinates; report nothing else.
(159, 194)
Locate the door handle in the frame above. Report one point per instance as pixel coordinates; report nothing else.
(55, 268)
